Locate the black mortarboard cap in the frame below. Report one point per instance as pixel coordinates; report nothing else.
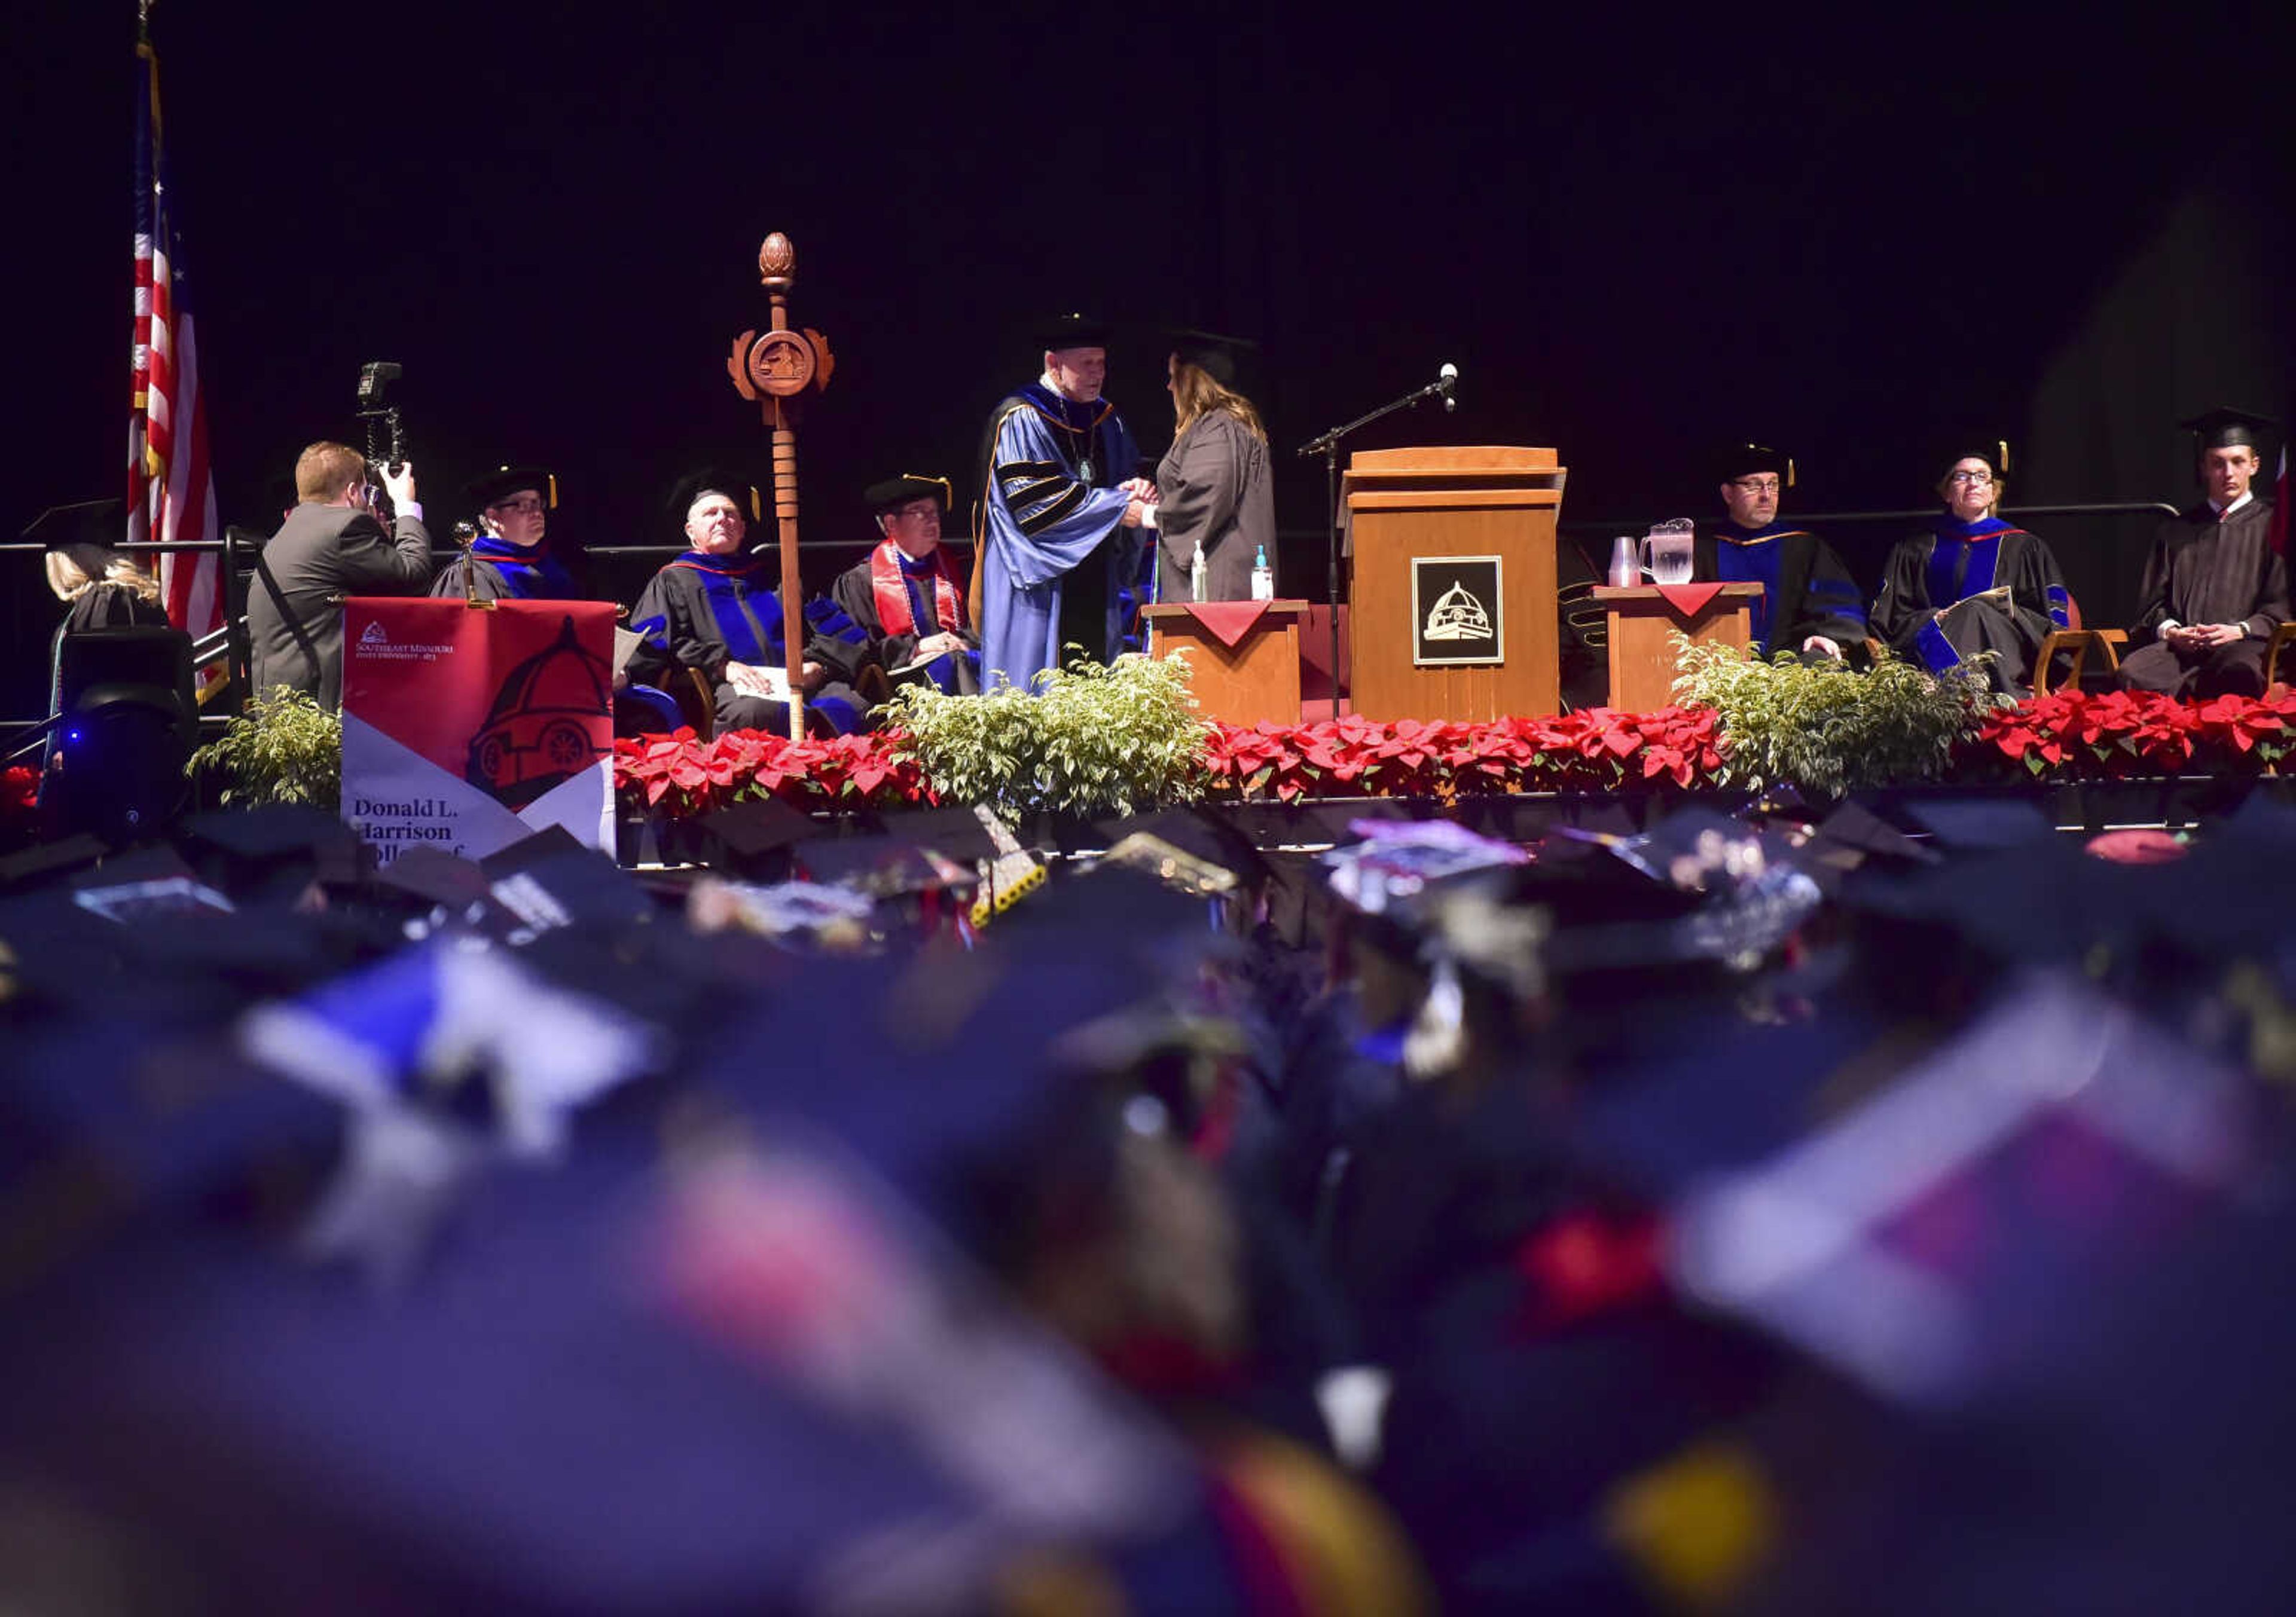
(907, 487)
(257, 842)
(1228, 361)
(1072, 331)
(880, 866)
(81, 522)
(2224, 427)
(504, 481)
(437, 875)
(1968, 443)
(1743, 460)
(954, 832)
(1983, 822)
(582, 885)
(724, 480)
(1196, 835)
(753, 828)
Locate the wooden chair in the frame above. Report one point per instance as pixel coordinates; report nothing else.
(2077, 642)
(2283, 637)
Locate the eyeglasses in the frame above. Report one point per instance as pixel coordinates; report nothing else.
(1757, 485)
(1969, 477)
(369, 495)
(529, 507)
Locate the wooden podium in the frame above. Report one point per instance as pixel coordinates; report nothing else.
(1238, 678)
(1642, 642)
(1453, 597)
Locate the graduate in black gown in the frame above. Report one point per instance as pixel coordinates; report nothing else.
(715, 610)
(2214, 587)
(908, 595)
(509, 558)
(1809, 603)
(1973, 583)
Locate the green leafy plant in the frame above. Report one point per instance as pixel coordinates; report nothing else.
(1825, 727)
(1090, 740)
(285, 748)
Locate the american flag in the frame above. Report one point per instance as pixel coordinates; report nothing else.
(170, 489)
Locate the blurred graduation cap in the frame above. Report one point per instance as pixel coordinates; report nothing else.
(435, 874)
(1982, 823)
(954, 832)
(491, 488)
(1189, 848)
(753, 831)
(723, 480)
(1752, 459)
(881, 866)
(2224, 427)
(276, 846)
(549, 879)
(908, 486)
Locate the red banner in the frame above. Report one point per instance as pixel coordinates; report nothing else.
(468, 729)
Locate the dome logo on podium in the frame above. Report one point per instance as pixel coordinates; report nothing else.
(1456, 610)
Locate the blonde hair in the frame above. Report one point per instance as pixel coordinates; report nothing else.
(1196, 392)
(325, 470)
(75, 570)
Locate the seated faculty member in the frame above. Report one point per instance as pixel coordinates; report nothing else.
(1809, 603)
(330, 546)
(908, 596)
(509, 558)
(2214, 587)
(715, 610)
(1973, 583)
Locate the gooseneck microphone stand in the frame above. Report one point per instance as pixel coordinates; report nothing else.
(1327, 445)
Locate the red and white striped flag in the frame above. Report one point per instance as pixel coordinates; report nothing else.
(171, 491)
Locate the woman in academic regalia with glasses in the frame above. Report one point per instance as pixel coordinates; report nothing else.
(509, 558)
(1973, 583)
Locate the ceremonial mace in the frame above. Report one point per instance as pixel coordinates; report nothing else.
(781, 364)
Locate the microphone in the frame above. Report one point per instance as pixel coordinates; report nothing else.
(1447, 379)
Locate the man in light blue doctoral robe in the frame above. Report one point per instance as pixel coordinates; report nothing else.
(1064, 503)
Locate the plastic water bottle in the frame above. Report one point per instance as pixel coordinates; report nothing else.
(1263, 576)
(1199, 573)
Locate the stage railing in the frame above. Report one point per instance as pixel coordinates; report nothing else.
(1928, 513)
(238, 547)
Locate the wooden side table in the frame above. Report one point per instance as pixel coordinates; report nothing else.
(1642, 648)
(1240, 673)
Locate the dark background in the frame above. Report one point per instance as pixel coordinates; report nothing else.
(1637, 239)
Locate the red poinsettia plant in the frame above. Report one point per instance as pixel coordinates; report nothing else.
(2118, 734)
(680, 774)
(19, 805)
(2070, 735)
(1595, 749)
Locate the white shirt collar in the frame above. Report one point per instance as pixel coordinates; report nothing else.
(2223, 511)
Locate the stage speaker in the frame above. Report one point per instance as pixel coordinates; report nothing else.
(127, 719)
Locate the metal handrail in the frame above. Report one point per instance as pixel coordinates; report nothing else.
(1835, 518)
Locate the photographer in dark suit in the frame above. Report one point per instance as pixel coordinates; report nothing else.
(330, 546)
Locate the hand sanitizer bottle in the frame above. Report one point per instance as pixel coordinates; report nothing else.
(1198, 574)
(1263, 576)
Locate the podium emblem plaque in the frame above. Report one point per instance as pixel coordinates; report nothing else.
(1457, 610)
